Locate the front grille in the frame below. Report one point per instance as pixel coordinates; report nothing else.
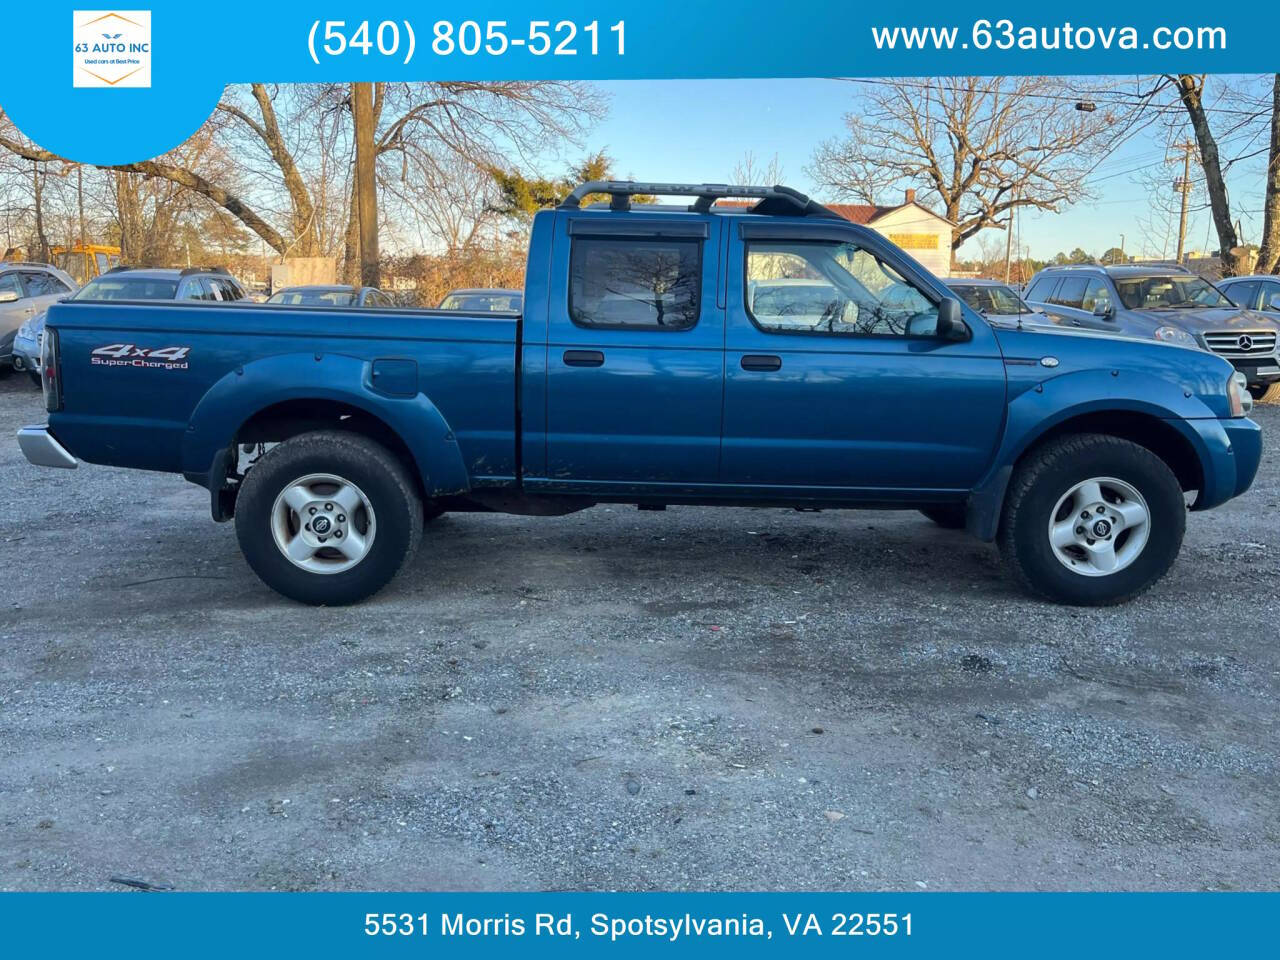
(1241, 343)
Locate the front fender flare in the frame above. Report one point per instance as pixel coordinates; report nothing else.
(1039, 409)
(247, 390)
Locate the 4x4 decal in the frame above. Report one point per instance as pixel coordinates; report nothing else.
(131, 355)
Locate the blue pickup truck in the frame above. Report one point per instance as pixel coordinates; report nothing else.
(690, 353)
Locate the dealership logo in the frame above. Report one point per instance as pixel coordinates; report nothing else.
(112, 48)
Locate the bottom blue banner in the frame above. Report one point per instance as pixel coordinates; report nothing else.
(630, 924)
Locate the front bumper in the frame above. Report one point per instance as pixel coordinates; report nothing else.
(1258, 370)
(40, 447)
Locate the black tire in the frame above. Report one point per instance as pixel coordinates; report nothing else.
(949, 516)
(35, 378)
(1044, 477)
(364, 463)
(1265, 392)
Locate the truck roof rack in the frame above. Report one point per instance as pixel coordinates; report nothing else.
(774, 201)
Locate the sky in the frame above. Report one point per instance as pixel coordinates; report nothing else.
(698, 130)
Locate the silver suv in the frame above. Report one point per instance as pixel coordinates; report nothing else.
(26, 289)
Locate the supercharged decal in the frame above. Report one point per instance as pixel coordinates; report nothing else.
(131, 355)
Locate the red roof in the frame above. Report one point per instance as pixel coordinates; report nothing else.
(859, 212)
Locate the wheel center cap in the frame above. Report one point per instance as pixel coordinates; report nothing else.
(1102, 528)
(321, 525)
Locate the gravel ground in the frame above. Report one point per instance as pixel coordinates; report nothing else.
(695, 699)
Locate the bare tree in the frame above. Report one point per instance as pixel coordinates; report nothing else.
(1269, 253)
(291, 143)
(978, 147)
(752, 170)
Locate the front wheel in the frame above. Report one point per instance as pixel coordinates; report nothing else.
(328, 518)
(1092, 520)
(1266, 392)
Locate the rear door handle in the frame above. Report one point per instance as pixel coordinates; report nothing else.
(583, 358)
(757, 361)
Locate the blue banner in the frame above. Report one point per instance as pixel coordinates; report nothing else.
(990, 926)
(118, 85)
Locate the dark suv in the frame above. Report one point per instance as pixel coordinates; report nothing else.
(1161, 303)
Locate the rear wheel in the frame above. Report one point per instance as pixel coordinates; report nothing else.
(1092, 520)
(328, 518)
(949, 515)
(35, 378)
(1266, 392)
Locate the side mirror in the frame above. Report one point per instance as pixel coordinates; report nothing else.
(950, 322)
(8, 296)
(1105, 310)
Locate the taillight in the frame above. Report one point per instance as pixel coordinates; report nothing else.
(51, 370)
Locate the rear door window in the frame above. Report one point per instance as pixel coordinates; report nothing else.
(1071, 292)
(629, 283)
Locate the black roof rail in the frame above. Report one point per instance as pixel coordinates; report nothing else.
(775, 201)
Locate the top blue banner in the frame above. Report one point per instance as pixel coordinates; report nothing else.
(123, 84)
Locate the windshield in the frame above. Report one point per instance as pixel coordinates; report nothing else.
(128, 288)
(992, 301)
(1169, 293)
(481, 302)
(313, 298)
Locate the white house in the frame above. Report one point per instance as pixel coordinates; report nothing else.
(913, 227)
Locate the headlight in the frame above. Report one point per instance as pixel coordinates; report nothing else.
(25, 331)
(1238, 395)
(1175, 335)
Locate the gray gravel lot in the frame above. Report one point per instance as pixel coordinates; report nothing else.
(695, 699)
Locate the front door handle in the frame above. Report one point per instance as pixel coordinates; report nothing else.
(583, 358)
(757, 361)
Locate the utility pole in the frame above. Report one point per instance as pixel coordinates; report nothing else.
(366, 182)
(1008, 242)
(1183, 186)
(84, 249)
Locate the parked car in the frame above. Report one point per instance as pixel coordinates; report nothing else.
(332, 295)
(131, 283)
(995, 300)
(1261, 293)
(482, 300)
(642, 374)
(1169, 304)
(26, 289)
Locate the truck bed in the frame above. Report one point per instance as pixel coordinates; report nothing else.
(165, 386)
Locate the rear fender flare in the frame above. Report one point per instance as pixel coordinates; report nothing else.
(247, 390)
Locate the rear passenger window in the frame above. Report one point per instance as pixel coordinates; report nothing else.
(1040, 290)
(1071, 293)
(633, 284)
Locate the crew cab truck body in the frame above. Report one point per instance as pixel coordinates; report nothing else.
(641, 372)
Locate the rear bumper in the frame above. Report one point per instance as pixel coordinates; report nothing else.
(40, 447)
